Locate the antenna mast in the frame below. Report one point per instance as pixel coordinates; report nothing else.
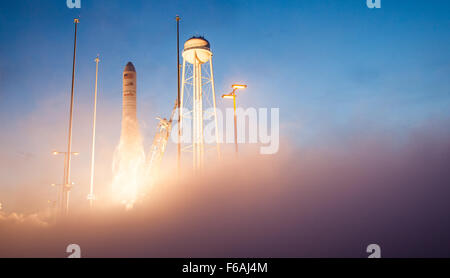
(91, 196)
(178, 96)
(67, 184)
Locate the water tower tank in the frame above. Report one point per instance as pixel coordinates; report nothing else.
(197, 47)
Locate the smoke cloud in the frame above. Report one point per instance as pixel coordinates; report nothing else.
(316, 202)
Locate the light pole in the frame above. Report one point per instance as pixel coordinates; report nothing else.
(61, 195)
(91, 196)
(69, 147)
(232, 95)
(57, 203)
(178, 98)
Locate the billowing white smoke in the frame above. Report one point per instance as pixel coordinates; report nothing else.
(34, 219)
(128, 168)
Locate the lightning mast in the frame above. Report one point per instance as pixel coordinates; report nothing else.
(178, 104)
(67, 184)
(91, 196)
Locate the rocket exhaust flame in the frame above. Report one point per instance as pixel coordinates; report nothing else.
(129, 156)
(128, 166)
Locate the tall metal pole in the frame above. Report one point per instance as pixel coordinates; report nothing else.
(215, 109)
(61, 191)
(235, 123)
(67, 185)
(178, 96)
(91, 197)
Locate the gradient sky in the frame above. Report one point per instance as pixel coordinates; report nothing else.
(331, 66)
(322, 62)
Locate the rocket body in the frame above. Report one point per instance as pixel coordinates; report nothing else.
(129, 156)
(130, 128)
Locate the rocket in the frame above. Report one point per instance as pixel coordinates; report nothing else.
(130, 129)
(129, 155)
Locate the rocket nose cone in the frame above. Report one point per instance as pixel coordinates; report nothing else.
(129, 67)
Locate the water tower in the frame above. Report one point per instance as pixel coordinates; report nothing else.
(198, 98)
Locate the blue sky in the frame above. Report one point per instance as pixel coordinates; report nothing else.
(326, 64)
(337, 70)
